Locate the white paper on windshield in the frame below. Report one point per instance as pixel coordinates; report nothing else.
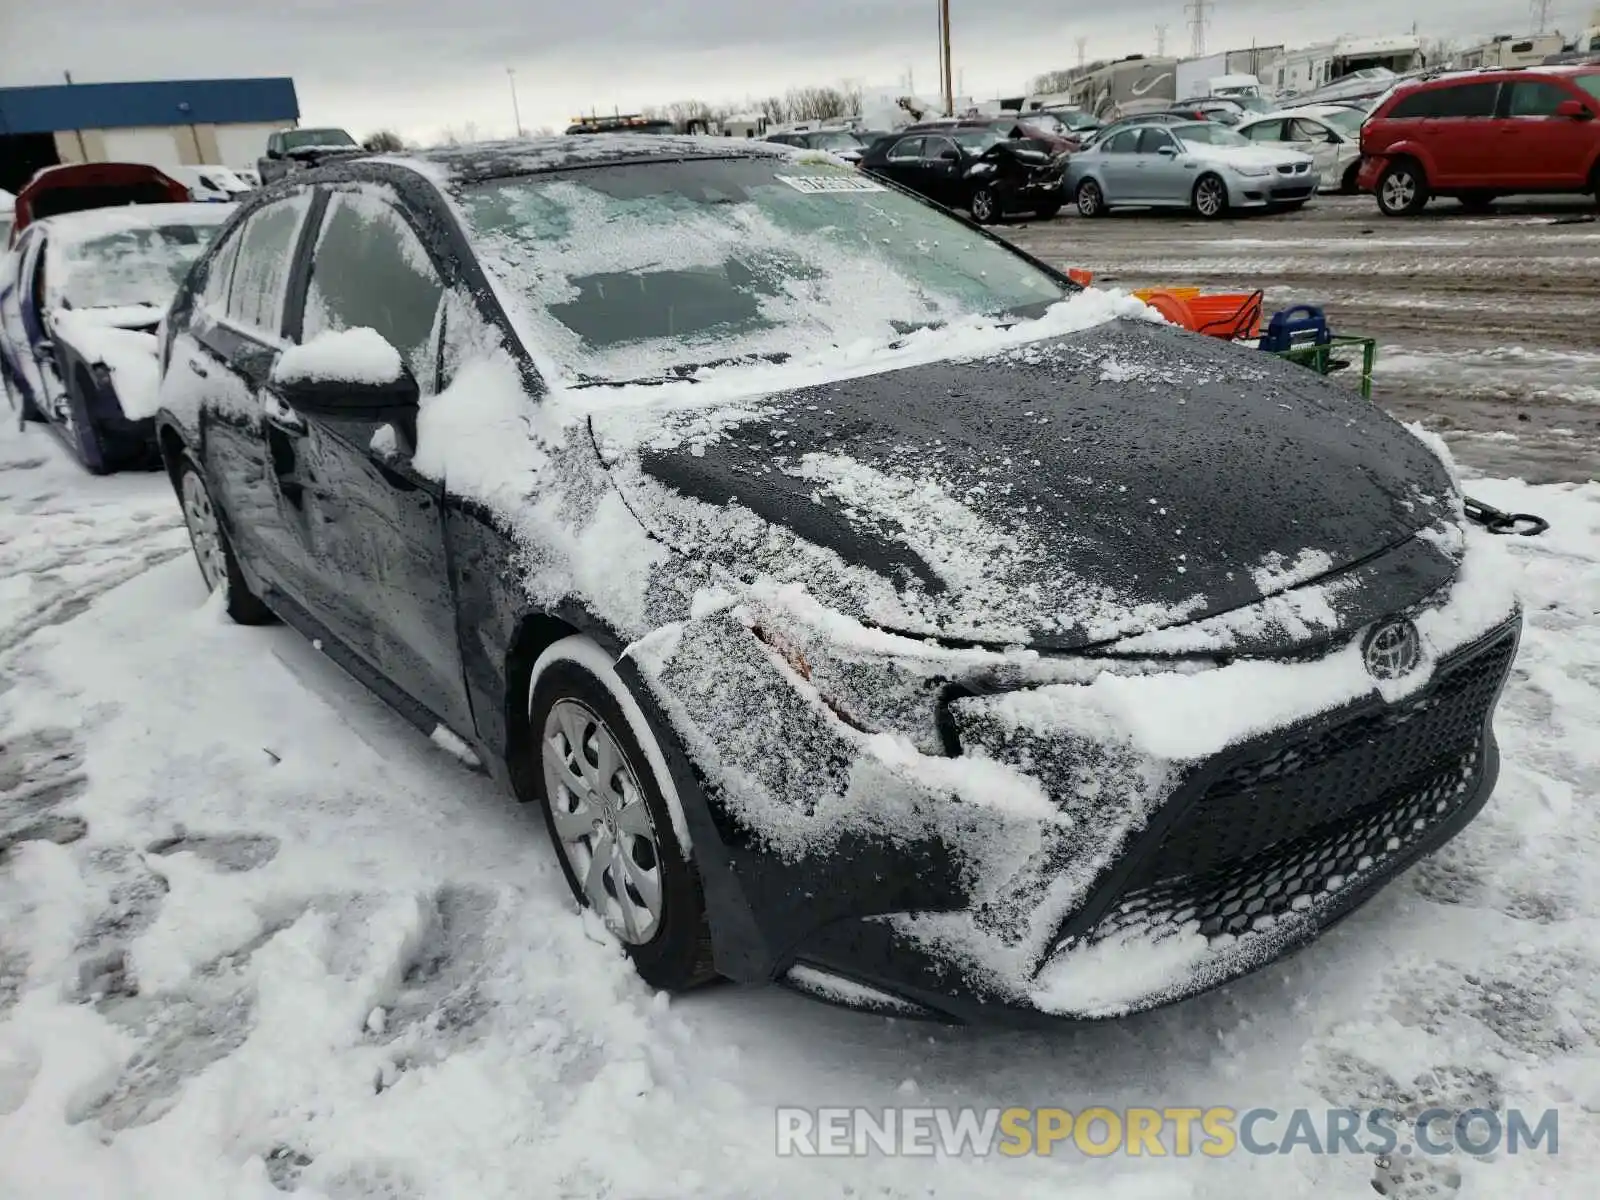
(818, 185)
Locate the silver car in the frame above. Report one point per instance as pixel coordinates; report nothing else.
(1196, 164)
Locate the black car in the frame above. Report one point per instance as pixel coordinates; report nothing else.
(971, 166)
(796, 549)
(844, 143)
(291, 150)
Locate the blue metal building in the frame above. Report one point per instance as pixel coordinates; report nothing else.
(219, 121)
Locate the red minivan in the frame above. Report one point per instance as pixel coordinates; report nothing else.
(1483, 134)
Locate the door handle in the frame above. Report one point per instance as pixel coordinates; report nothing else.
(280, 416)
(198, 369)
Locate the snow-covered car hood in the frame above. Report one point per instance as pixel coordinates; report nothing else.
(1064, 494)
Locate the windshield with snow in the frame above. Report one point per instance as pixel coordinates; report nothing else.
(635, 272)
(1210, 134)
(835, 140)
(126, 266)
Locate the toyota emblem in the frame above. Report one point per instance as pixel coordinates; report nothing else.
(1393, 649)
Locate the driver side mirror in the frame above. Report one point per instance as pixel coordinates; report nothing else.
(347, 373)
(1168, 151)
(1575, 110)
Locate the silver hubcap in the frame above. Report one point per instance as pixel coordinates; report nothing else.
(982, 206)
(205, 534)
(602, 822)
(1089, 200)
(1399, 191)
(1209, 201)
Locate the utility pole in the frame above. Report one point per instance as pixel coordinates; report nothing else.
(516, 113)
(1541, 15)
(1199, 17)
(1161, 41)
(946, 80)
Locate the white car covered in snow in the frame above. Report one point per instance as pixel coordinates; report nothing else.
(1329, 133)
(78, 317)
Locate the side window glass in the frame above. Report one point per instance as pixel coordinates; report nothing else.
(219, 274)
(908, 150)
(1125, 142)
(266, 246)
(1418, 104)
(1307, 131)
(934, 147)
(370, 270)
(1467, 100)
(1152, 140)
(1530, 99)
(1266, 131)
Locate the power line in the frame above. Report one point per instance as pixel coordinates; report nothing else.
(1199, 18)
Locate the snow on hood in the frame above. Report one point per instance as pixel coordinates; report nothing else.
(1034, 495)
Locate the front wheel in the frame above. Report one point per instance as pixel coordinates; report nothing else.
(603, 801)
(1403, 190)
(1091, 200)
(1211, 197)
(212, 550)
(985, 206)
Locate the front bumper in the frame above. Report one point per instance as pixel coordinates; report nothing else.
(1281, 187)
(1256, 854)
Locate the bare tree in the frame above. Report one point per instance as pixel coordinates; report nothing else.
(385, 141)
(1438, 52)
(775, 109)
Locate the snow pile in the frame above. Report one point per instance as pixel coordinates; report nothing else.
(355, 356)
(130, 356)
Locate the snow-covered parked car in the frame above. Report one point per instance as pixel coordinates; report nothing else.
(866, 606)
(80, 302)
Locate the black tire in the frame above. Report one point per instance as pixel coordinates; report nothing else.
(244, 607)
(1350, 185)
(1594, 184)
(1047, 212)
(1091, 201)
(985, 206)
(1403, 189)
(1210, 197)
(677, 956)
(1477, 201)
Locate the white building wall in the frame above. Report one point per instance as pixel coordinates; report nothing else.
(241, 145)
(159, 147)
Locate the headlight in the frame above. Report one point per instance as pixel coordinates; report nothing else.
(1252, 172)
(881, 682)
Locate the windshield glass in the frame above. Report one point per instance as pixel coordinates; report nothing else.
(635, 272)
(126, 266)
(299, 139)
(835, 139)
(1045, 122)
(1210, 134)
(1345, 120)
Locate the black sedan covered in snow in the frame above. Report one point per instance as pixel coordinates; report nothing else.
(866, 607)
(972, 166)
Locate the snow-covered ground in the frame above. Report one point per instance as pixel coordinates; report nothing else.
(258, 936)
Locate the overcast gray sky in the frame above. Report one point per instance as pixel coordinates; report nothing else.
(419, 66)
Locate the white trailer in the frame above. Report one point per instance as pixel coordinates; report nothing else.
(1194, 74)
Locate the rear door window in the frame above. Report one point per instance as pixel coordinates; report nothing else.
(1151, 141)
(935, 147)
(371, 270)
(907, 150)
(261, 271)
(1126, 142)
(1456, 100)
(1265, 131)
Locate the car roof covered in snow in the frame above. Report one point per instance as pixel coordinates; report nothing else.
(99, 222)
(527, 156)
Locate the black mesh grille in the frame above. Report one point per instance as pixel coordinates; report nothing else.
(1304, 784)
(1252, 896)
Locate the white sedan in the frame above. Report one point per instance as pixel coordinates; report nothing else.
(1329, 133)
